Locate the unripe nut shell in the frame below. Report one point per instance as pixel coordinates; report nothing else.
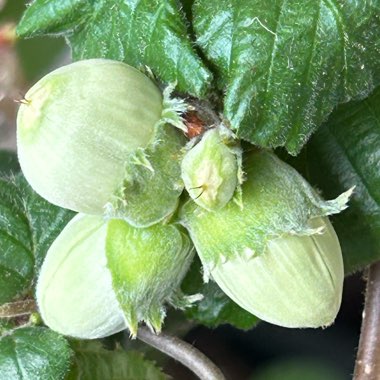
(78, 124)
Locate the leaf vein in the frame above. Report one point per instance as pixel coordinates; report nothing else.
(17, 361)
(331, 4)
(154, 26)
(296, 125)
(273, 49)
(17, 242)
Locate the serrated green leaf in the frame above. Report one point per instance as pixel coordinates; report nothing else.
(34, 353)
(8, 162)
(285, 64)
(345, 152)
(53, 17)
(28, 225)
(216, 308)
(93, 362)
(16, 257)
(142, 32)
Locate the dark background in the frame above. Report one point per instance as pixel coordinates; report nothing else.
(269, 352)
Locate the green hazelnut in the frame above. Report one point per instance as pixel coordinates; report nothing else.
(99, 277)
(297, 282)
(91, 136)
(278, 256)
(74, 289)
(210, 171)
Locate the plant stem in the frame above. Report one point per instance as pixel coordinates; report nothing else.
(184, 352)
(368, 359)
(18, 309)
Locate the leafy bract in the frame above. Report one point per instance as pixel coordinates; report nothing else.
(147, 266)
(284, 65)
(345, 152)
(28, 225)
(93, 362)
(152, 182)
(138, 32)
(215, 308)
(34, 353)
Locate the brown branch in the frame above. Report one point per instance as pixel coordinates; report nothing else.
(184, 352)
(18, 309)
(368, 359)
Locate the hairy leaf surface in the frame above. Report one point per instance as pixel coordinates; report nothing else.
(138, 32)
(284, 65)
(93, 362)
(34, 353)
(345, 152)
(28, 225)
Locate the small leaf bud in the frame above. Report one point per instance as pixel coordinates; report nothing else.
(210, 171)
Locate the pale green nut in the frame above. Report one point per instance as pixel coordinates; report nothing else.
(210, 171)
(297, 282)
(278, 257)
(88, 137)
(99, 277)
(74, 289)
